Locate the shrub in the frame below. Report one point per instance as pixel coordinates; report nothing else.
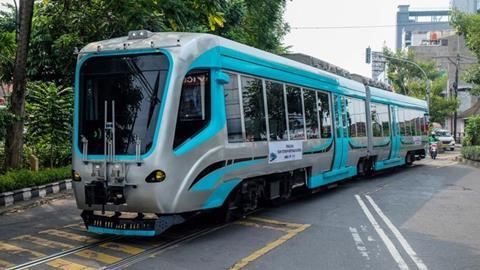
(471, 152)
(24, 178)
(49, 112)
(472, 131)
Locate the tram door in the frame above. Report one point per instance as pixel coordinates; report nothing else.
(341, 132)
(395, 150)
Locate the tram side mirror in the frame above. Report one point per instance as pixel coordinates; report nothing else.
(222, 78)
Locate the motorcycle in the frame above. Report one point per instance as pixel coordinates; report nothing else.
(433, 150)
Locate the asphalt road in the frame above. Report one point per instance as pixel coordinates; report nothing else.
(422, 217)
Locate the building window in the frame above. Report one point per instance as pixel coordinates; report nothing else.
(254, 110)
(311, 114)
(324, 113)
(295, 113)
(233, 110)
(277, 121)
(194, 109)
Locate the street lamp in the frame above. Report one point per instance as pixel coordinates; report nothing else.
(412, 63)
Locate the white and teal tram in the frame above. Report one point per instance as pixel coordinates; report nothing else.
(172, 124)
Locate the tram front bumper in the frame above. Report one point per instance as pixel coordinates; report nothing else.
(137, 226)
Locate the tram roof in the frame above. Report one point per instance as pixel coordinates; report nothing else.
(178, 40)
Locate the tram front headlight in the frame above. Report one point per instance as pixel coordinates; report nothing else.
(156, 177)
(76, 176)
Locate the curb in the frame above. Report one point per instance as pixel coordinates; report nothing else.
(472, 163)
(25, 194)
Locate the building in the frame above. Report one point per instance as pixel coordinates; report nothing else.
(429, 35)
(451, 52)
(467, 6)
(412, 25)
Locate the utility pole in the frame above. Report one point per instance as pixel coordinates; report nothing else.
(455, 94)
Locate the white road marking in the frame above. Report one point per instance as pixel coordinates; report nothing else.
(398, 235)
(362, 249)
(388, 243)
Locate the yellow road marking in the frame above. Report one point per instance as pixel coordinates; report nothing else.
(276, 222)
(67, 265)
(57, 263)
(122, 248)
(256, 225)
(14, 250)
(5, 264)
(43, 242)
(71, 236)
(270, 246)
(76, 226)
(97, 256)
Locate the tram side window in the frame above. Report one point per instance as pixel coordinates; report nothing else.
(277, 120)
(194, 108)
(357, 117)
(401, 121)
(424, 124)
(325, 117)
(311, 114)
(414, 122)
(385, 120)
(376, 122)
(232, 106)
(352, 127)
(408, 131)
(418, 124)
(295, 113)
(254, 110)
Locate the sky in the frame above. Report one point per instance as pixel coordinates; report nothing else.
(346, 47)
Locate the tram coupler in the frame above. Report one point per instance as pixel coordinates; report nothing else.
(97, 192)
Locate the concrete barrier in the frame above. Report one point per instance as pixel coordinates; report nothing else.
(469, 162)
(25, 194)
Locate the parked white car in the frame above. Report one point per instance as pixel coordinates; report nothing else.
(446, 138)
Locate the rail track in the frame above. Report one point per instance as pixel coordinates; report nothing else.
(174, 237)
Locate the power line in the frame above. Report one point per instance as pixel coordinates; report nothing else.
(359, 26)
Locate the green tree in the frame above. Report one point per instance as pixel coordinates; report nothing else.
(49, 122)
(258, 23)
(408, 80)
(7, 43)
(14, 138)
(469, 26)
(441, 107)
(61, 26)
(472, 76)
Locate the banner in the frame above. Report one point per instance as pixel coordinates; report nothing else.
(284, 151)
(417, 140)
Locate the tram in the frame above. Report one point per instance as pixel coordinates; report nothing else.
(169, 125)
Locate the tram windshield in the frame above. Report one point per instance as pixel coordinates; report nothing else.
(135, 84)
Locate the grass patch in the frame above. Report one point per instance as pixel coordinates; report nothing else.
(25, 178)
(471, 152)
